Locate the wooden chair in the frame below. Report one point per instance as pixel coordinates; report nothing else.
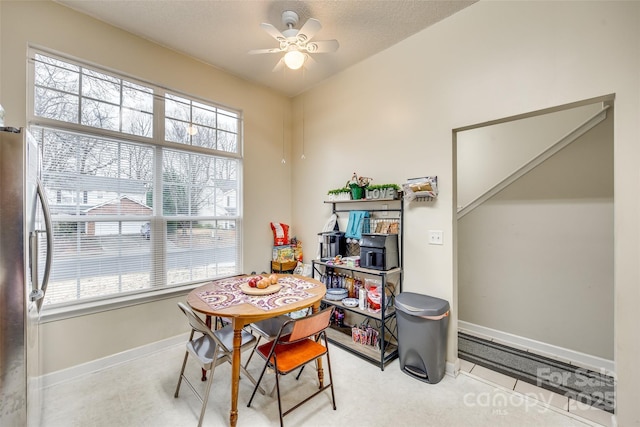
(210, 350)
(290, 351)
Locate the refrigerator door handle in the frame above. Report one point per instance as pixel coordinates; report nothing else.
(36, 292)
(49, 231)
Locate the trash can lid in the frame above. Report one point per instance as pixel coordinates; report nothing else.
(421, 305)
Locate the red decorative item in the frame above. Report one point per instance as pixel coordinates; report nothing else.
(280, 233)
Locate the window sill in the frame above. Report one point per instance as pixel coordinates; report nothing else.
(92, 307)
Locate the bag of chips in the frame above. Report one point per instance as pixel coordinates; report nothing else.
(280, 233)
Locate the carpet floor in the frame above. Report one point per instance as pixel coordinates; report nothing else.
(586, 386)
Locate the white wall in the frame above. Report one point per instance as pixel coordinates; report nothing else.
(49, 25)
(391, 118)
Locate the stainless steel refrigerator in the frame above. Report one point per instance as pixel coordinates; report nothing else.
(25, 260)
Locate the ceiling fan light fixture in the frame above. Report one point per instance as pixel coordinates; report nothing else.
(294, 43)
(294, 59)
(192, 130)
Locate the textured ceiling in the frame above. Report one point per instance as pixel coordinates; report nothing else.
(221, 32)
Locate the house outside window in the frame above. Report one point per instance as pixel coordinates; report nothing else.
(143, 182)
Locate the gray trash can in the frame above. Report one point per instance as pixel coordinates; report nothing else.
(422, 335)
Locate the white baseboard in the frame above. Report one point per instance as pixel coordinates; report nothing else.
(577, 358)
(73, 372)
(452, 368)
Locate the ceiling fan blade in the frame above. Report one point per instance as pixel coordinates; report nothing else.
(273, 31)
(308, 30)
(322, 46)
(279, 66)
(271, 50)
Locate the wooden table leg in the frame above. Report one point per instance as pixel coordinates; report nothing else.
(235, 370)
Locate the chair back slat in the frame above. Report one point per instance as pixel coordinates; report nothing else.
(196, 323)
(310, 325)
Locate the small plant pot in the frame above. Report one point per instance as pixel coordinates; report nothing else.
(339, 194)
(357, 193)
(336, 197)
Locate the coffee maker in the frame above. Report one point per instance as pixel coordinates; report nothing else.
(332, 244)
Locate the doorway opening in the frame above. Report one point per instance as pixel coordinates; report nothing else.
(534, 233)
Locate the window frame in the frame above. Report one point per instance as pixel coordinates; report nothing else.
(158, 219)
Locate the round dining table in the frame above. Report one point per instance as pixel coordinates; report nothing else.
(225, 298)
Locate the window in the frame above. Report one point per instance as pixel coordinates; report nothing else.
(143, 183)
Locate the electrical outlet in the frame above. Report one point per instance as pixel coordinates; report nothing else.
(435, 237)
(384, 208)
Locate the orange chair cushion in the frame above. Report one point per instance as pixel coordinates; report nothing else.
(292, 356)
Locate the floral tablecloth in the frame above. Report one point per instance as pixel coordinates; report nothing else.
(227, 293)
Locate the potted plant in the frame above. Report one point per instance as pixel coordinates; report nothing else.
(382, 192)
(357, 184)
(336, 194)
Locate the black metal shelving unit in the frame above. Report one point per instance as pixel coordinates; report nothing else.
(384, 320)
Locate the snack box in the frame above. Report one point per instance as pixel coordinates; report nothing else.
(283, 253)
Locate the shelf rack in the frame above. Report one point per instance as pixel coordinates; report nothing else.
(384, 321)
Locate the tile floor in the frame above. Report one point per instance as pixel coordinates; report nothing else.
(140, 393)
(549, 398)
(542, 395)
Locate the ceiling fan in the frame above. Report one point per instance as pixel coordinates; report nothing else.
(296, 44)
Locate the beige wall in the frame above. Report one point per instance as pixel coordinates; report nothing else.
(46, 24)
(391, 117)
(536, 260)
(487, 155)
(83, 339)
